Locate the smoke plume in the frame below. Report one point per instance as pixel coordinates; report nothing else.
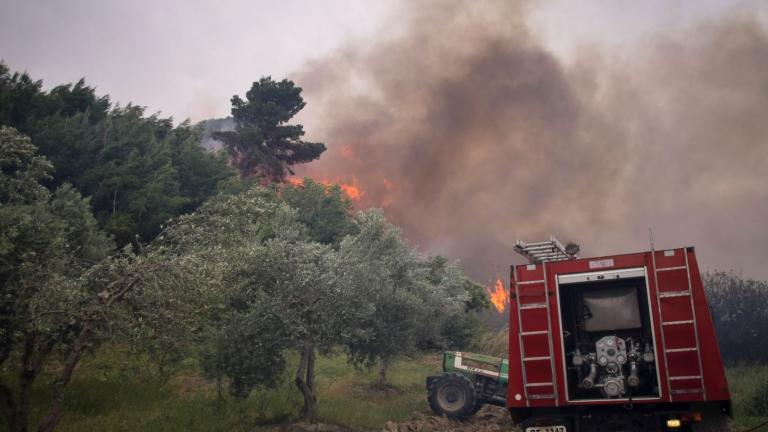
(470, 134)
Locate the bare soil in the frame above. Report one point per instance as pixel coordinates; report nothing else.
(488, 419)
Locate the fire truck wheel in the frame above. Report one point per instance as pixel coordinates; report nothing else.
(453, 394)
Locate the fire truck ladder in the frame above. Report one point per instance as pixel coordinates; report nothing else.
(523, 310)
(537, 253)
(671, 295)
(551, 250)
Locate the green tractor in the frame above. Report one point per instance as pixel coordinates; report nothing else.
(467, 382)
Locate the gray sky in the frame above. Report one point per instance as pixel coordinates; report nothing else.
(184, 58)
(187, 58)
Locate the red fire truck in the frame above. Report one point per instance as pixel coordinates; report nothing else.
(612, 343)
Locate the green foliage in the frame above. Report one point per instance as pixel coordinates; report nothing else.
(398, 289)
(47, 242)
(113, 392)
(262, 143)
(140, 171)
(244, 339)
(254, 279)
(63, 292)
(23, 102)
(247, 349)
(22, 169)
(748, 384)
(739, 311)
(389, 277)
(325, 210)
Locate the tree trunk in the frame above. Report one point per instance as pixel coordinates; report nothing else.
(56, 408)
(26, 379)
(305, 380)
(27, 374)
(8, 406)
(383, 368)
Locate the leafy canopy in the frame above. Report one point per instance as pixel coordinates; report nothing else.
(262, 144)
(325, 210)
(140, 171)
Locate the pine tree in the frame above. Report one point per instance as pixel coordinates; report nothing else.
(262, 144)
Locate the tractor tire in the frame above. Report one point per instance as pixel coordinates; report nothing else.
(454, 395)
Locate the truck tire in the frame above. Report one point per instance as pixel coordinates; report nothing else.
(454, 395)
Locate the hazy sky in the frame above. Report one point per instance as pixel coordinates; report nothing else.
(187, 58)
(631, 113)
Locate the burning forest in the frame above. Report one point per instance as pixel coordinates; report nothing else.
(469, 143)
(245, 271)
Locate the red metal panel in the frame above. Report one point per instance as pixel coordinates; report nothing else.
(676, 309)
(531, 294)
(679, 326)
(531, 361)
(676, 298)
(715, 381)
(679, 337)
(683, 363)
(672, 280)
(536, 345)
(534, 319)
(515, 389)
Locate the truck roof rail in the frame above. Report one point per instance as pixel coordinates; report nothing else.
(551, 250)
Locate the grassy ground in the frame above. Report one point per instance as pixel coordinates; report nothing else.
(749, 390)
(109, 396)
(115, 394)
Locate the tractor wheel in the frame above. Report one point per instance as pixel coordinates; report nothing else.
(453, 395)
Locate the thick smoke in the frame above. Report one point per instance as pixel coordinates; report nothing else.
(471, 134)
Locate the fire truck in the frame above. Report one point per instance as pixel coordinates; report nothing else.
(613, 343)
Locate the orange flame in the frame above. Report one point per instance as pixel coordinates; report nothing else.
(295, 181)
(352, 190)
(499, 296)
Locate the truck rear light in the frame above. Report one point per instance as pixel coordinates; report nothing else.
(674, 423)
(697, 417)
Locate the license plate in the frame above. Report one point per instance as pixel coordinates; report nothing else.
(545, 429)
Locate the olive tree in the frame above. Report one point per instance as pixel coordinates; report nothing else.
(407, 297)
(62, 288)
(282, 292)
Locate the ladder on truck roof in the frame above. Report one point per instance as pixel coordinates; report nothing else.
(679, 327)
(551, 250)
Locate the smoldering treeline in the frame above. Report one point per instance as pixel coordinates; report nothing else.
(471, 134)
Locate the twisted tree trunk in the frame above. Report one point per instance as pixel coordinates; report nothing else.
(305, 380)
(56, 408)
(383, 368)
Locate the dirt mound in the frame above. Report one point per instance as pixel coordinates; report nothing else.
(488, 419)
